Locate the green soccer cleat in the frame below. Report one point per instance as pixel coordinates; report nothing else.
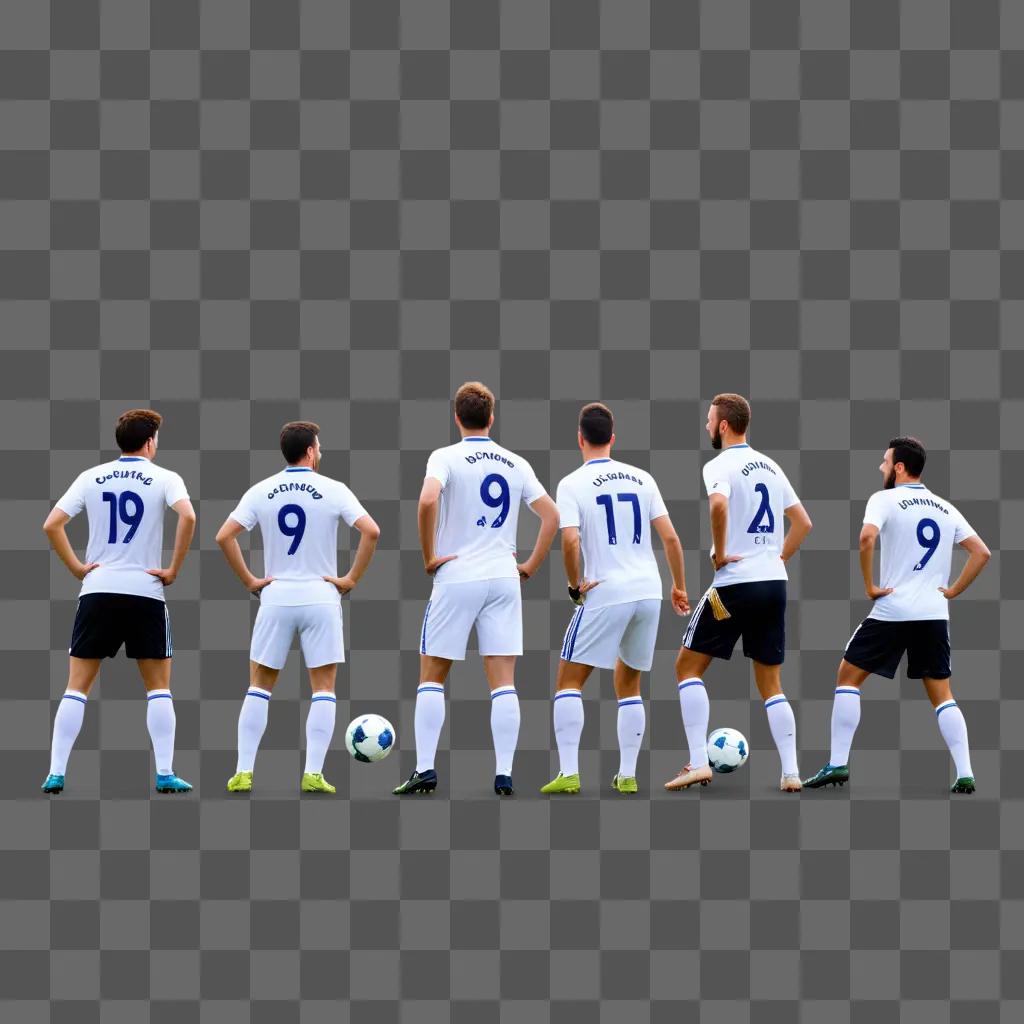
(623, 785)
(172, 784)
(562, 784)
(240, 782)
(418, 782)
(53, 784)
(963, 785)
(314, 782)
(830, 775)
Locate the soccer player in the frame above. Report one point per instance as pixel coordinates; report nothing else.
(749, 494)
(297, 510)
(607, 510)
(468, 514)
(122, 595)
(910, 613)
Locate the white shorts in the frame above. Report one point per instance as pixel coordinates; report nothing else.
(599, 636)
(320, 634)
(495, 607)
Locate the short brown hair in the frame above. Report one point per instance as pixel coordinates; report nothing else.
(135, 427)
(474, 404)
(734, 409)
(596, 423)
(297, 438)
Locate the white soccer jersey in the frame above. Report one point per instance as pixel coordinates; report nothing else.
(482, 485)
(298, 512)
(613, 504)
(125, 501)
(917, 532)
(758, 492)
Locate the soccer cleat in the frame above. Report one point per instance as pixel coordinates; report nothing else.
(690, 776)
(55, 784)
(830, 775)
(790, 784)
(314, 782)
(418, 782)
(172, 784)
(240, 782)
(503, 785)
(562, 784)
(965, 784)
(622, 784)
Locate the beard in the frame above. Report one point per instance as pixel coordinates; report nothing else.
(716, 442)
(890, 481)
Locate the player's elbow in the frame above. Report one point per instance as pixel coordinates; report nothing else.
(867, 541)
(370, 530)
(188, 516)
(223, 536)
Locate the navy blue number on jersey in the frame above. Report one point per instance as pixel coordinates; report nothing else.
(605, 500)
(119, 510)
(502, 500)
(294, 531)
(757, 524)
(928, 540)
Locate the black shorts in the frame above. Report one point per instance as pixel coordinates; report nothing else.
(105, 621)
(878, 646)
(757, 612)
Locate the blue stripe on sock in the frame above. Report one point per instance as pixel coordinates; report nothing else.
(627, 703)
(773, 701)
(333, 700)
(157, 696)
(430, 689)
(502, 693)
(848, 689)
(944, 707)
(71, 696)
(569, 693)
(692, 682)
(262, 696)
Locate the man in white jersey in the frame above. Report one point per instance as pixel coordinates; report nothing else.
(607, 510)
(122, 595)
(298, 511)
(749, 494)
(910, 613)
(468, 514)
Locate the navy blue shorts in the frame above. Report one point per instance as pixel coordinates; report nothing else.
(878, 646)
(105, 621)
(757, 612)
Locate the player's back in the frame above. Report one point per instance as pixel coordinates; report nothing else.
(482, 485)
(917, 533)
(124, 500)
(613, 503)
(298, 511)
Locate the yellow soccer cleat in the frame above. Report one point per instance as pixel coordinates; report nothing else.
(562, 784)
(314, 782)
(625, 785)
(240, 782)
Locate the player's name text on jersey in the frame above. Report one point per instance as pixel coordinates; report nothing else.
(308, 488)
(751, 466)
(125, 474)
(605, 478)
(931, 503)
(494, 456)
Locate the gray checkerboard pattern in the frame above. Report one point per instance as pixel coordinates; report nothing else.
(243, 212)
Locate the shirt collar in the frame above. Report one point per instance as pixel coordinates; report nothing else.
(131, 458)
(919, 487)
(476, 437)
(732, 446)
(590, 462)
(298, 469)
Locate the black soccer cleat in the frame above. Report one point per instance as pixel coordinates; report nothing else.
(503, 785)
(418, 782)
(965, 784)
(830, 775)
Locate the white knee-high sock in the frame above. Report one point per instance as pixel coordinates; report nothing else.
(252, 724)
(845, 719)
(954, 731)
(160, 720)
(783, 726)
(319, 730)
(567, 714)
(631, 725)
(67, 723)
(696, 709)
(505, 719)
(427, 722)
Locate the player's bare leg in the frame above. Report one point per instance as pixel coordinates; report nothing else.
(319, 728)
(630, 726)
(500, 670)
(567, 715)
(951, 724)
(161, 722)
(252, 723)
(427, 722)
(781, 721)
(67, 722)
(693, 703)
(845, 719)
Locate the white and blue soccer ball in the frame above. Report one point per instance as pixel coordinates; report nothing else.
(370, 738)
(727, 750)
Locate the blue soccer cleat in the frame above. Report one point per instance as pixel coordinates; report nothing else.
(503, 785)
(172, 784)
(53, 784)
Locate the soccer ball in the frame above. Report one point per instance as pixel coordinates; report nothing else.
(369, 738)
(727, 750)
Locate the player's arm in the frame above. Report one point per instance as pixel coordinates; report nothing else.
(978, 555)
(719, 505)
(369, 533)
(426, 520)
(227, 539)
(58, 538)
(674, 556)
(182, 541)
(799, 527)
(573, 562)
(868, 539)
(548, 512)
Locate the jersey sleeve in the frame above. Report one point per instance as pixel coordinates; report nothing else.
(568, 506)
(658, 508)
(438, 468)
(716, 479)
(174, 490)
(877, 510)
(245, 511)
(349, 506)
(72, 501)
(532, 487)
(963, 529)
